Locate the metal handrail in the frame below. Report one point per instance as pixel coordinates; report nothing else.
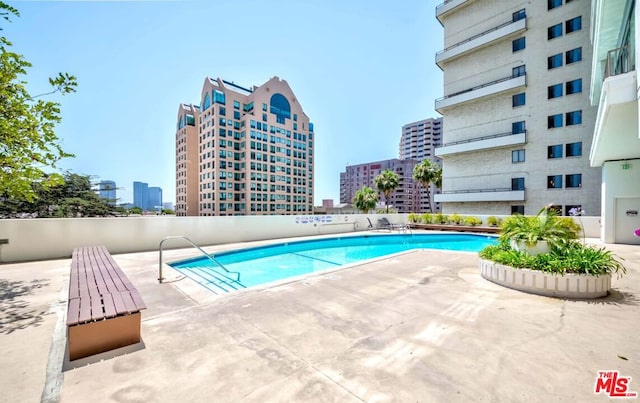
(492, 136)
(160, 278)
(511, 77)
(480, 35)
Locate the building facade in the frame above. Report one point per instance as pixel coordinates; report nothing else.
(107, 191)
(406, 197)
(155, 198)
(254, 151)
(141, 194)
(616, 138)
(418, 142)
(517, 117)
(187, 160)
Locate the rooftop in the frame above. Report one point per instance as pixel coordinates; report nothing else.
(418, 326)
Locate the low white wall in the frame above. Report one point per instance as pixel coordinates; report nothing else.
(50, 238)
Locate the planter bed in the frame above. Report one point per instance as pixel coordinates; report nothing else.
(459, 228)
(583, 286)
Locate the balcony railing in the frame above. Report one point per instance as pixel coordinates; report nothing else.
(446, 6)
(619, 61)
(466, 95)
(493, 136)
(482, 38)
(481, 195)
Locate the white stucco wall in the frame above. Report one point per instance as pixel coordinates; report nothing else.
(617, 183)
(36, 239)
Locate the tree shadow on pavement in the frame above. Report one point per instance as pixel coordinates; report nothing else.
(15, 311)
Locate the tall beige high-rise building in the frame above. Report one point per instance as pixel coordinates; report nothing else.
(517, 117)
(187, 160)
(254, 153)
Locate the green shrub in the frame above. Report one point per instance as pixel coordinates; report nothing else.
(493, 221)
(456, 219)
(427, 218)
(545, 226)
(568, 257)
(440, 218)
(414, 218)
(472, 221)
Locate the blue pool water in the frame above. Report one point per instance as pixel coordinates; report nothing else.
(265, 264)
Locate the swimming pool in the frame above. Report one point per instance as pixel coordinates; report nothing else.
(265, 264)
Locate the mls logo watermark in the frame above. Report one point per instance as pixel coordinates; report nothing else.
(613, 384)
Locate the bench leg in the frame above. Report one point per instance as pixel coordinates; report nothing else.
(97, 337)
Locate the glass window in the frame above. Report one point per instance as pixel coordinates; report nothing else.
(518, 44)
(574, 87)
(574, 24)
(517, 156)
(553, 4)
(574, 181)
(554, 151)
(518, 15)
(572, 209)
(554, 31)
(554, 61)
(517, 183)
(554, 91)
(264, 107)
(518, 71)
(574, 149)
(517, 210)
(223, 111)
(218, 97)
(236, 114)
(518, 127)
(573, 55)
(574, 118)
(518, 99)
(554, 182)
(554, 121)
(236, 105)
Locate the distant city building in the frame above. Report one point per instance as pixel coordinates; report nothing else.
(141, 194)
(418, 142)
(245, 151)
(154, 199)
(406, 197)
(167, 205)
(107, 191)
(420, 139)
(516, 112)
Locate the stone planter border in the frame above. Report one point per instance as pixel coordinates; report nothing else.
(582, 286)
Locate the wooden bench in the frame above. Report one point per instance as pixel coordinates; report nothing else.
(104, 307)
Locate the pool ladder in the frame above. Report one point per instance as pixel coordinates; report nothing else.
(160, 278)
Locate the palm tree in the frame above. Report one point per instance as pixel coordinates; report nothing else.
(426, 172)
(365, 199)
(386, 182)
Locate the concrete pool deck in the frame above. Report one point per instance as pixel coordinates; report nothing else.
(421, 326)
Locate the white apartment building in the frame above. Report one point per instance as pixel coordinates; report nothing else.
(518, 122)
(616, 139)
(418, 142)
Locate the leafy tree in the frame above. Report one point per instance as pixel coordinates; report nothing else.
(425, 172)
(75, 197)
(168, 211)
(28, 143)
(387, 182)
(365, 199)
(135, 210)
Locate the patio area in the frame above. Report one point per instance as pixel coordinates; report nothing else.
(420, 326)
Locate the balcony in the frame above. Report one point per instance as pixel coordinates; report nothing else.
(495, 87)
(480, 195)
(496, 33)
(482, 143)
(448, 6)
(615, 136)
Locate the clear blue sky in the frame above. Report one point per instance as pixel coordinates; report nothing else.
(360, 69)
